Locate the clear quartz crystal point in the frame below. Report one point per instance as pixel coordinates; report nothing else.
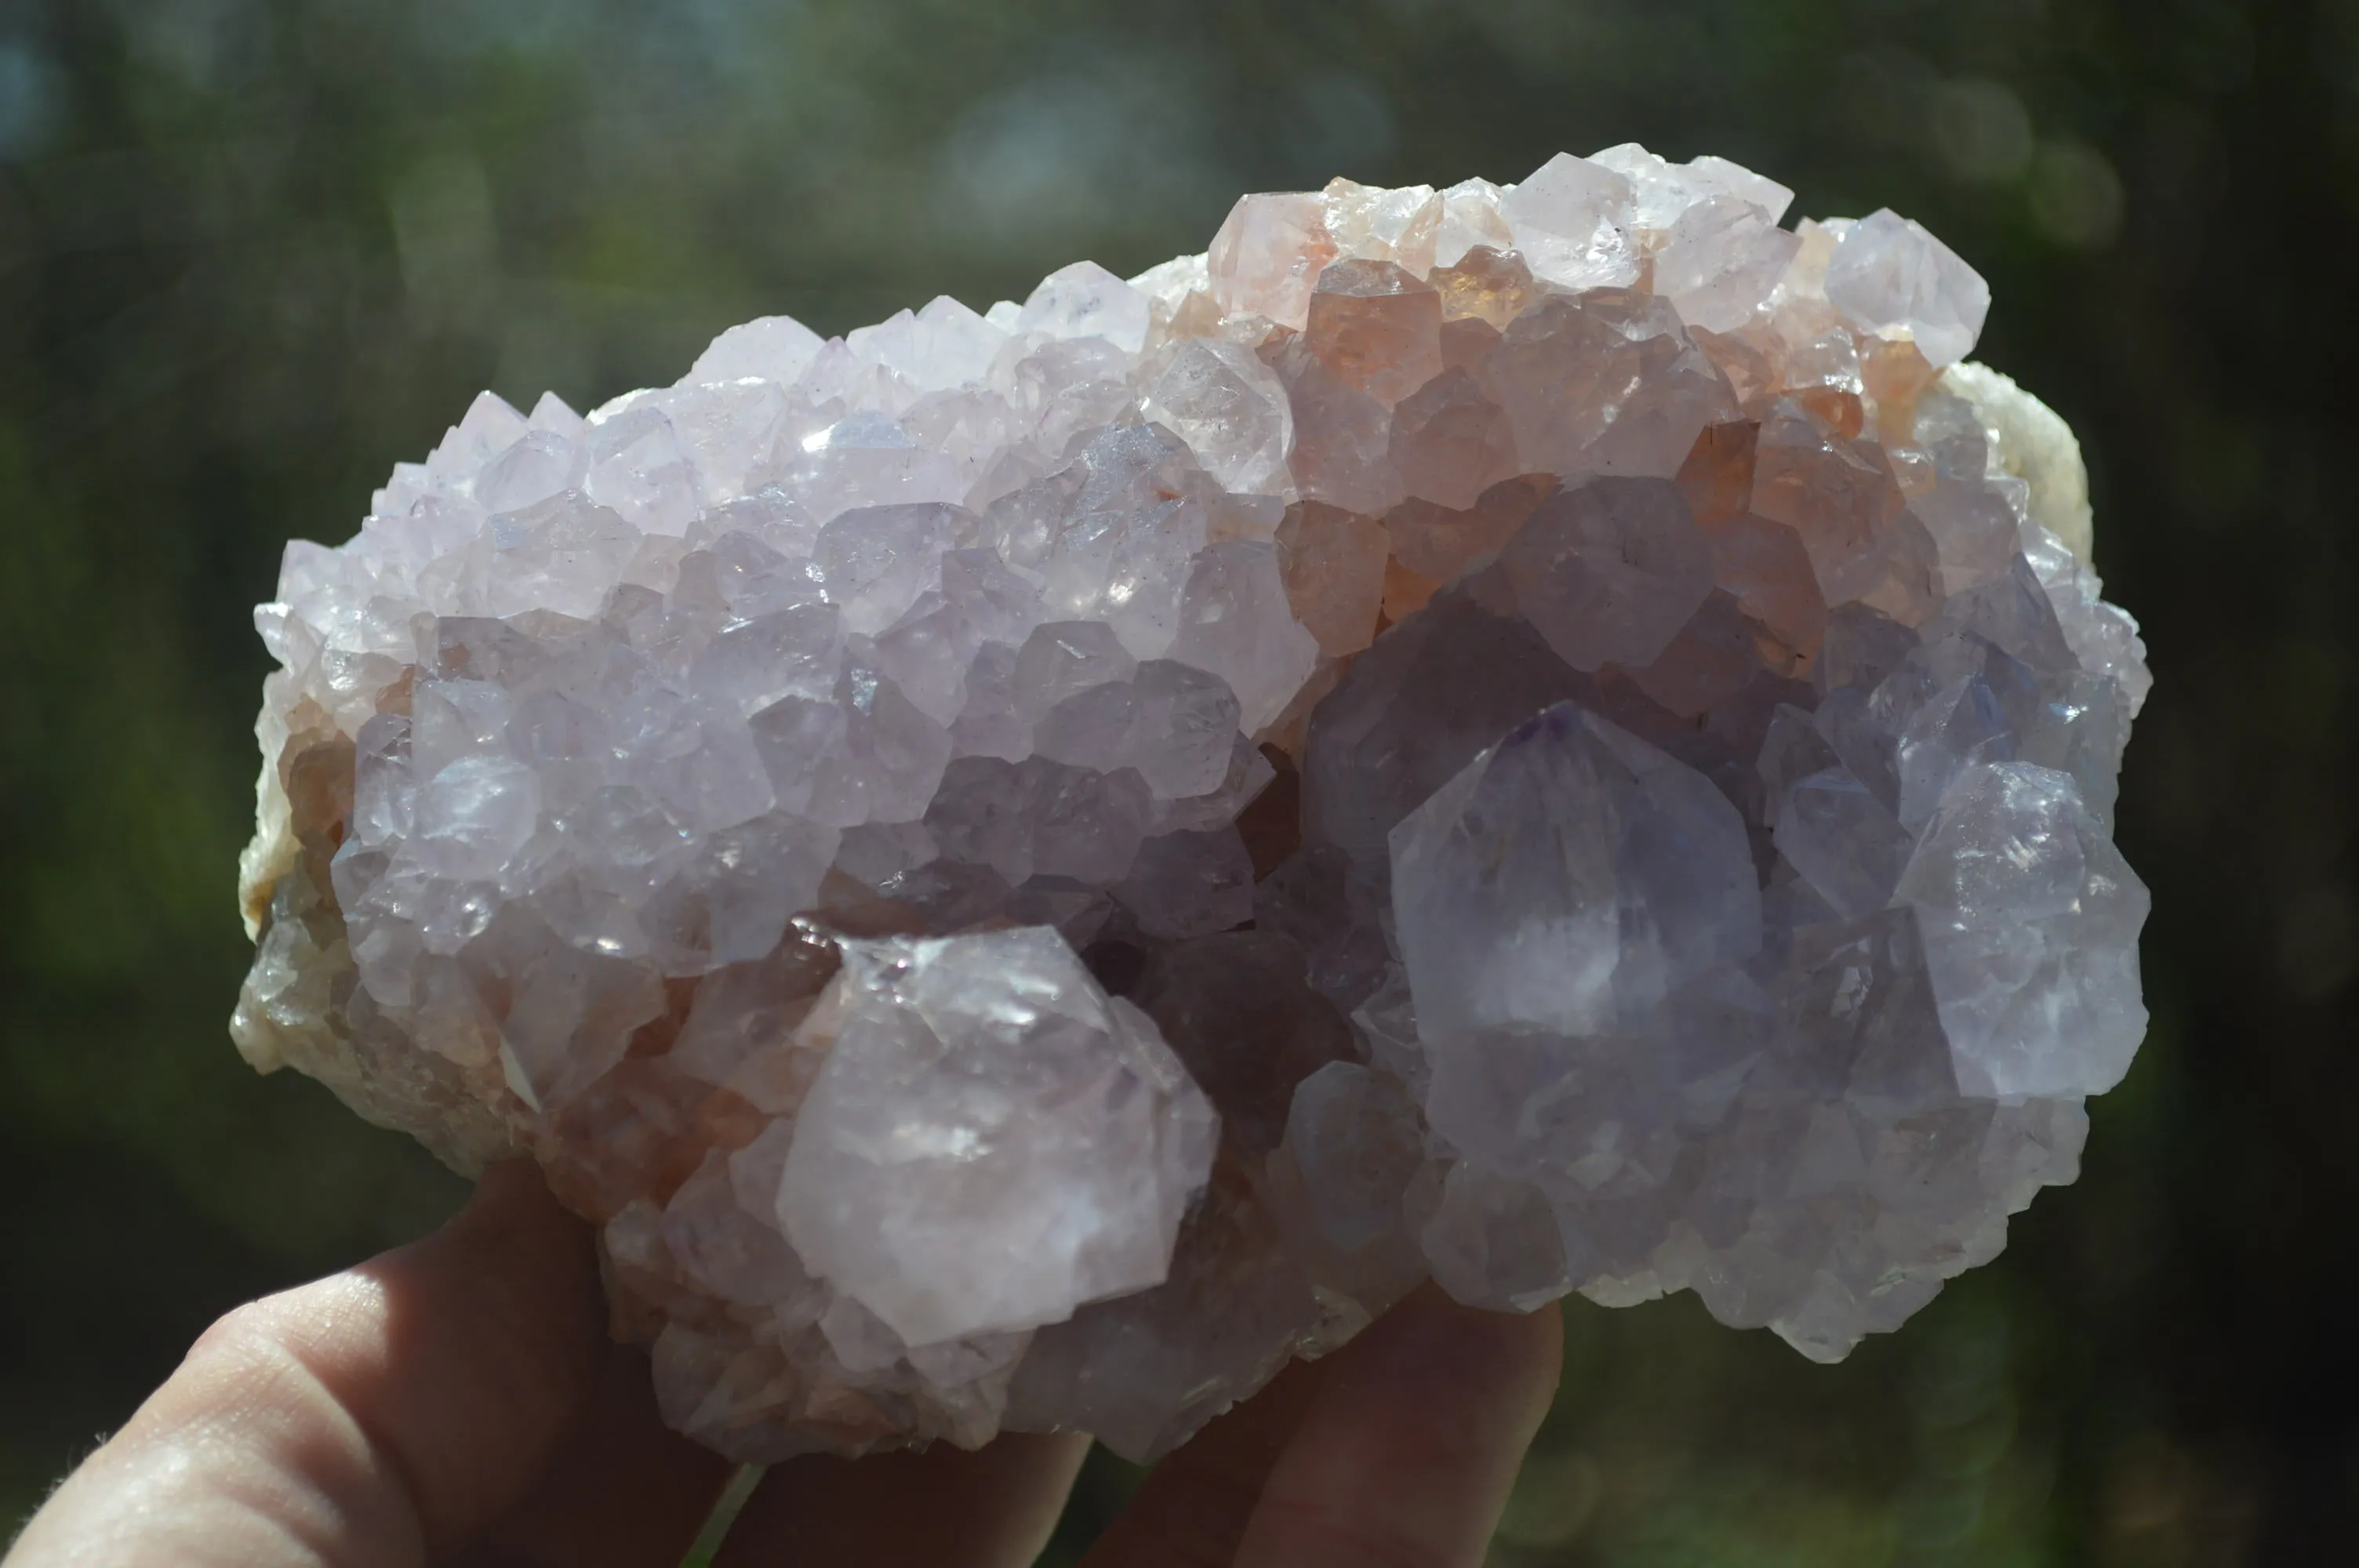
(1027, 867)
(993, 1140)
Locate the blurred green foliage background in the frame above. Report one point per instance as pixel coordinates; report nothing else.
(253, 251)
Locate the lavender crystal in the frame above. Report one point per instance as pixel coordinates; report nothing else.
(1025, 868)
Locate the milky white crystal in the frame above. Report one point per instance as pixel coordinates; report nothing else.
(1026, 868)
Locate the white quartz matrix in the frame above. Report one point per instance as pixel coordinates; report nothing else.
(1025, 868)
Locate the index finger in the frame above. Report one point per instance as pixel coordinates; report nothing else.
(1405, 1457)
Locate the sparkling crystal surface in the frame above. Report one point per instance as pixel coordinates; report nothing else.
(1026, 868)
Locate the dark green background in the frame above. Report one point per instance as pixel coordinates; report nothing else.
(253, 251)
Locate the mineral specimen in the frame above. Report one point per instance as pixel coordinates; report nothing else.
(1025, 868)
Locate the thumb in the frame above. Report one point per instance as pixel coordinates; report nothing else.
(375, 1416)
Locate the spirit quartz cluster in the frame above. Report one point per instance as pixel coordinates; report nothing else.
(1025, 868)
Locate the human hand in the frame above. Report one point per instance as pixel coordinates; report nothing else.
(457, 1401)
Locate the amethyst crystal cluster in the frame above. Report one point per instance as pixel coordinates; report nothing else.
(1025, 868)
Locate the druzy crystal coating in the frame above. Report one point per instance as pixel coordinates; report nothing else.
(1025, 868)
